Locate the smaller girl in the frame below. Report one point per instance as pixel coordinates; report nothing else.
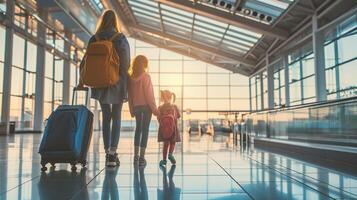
(168, 129)
(141, 105)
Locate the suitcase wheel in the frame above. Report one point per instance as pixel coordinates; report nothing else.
(43, 168)
(53, 166)
(84, 163)
(73, 168)
(43, 164)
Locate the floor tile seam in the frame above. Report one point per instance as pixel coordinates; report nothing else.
(151, 188)
(297, 172)
(293, 159)
(292, 178)
(229, 175)
(228, 192)
(328, 185)
(33, 178)
(176, 175)
(86, 185)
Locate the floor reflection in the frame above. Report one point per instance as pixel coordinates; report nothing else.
(169, 190)
(62, 184)
(110, 187)
(208, 167)
(140, 189)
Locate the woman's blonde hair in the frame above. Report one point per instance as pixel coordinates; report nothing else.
(167, 96)
(108, 21)
(138, 66)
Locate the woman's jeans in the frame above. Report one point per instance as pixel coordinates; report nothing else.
(111, 112)
(143, 118)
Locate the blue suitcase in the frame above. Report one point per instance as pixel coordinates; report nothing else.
(67, 135)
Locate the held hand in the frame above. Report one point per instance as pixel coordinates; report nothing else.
(157, 113)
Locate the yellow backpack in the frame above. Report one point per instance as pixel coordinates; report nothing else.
(101, 64)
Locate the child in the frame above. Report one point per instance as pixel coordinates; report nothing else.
(168, 130)
(141, 105)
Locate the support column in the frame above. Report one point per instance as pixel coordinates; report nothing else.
(261, 91)
(250, 95)
(66, 71)
(40, 73)
(9, 36)
(270, 72)
(24, 77)
(287, 79)
(318, 47)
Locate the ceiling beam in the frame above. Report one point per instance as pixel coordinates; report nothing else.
(228, 18)
(186, 53)
(195, 45)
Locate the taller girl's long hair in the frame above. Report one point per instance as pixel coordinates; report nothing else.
(108, 21)
(139, 66)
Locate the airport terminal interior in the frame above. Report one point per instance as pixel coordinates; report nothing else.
(266, 89)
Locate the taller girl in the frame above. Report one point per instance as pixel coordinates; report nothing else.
(111, 98)
(142, 105)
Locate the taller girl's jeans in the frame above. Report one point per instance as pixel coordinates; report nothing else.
(143, 118)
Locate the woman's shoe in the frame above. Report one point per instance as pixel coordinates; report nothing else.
(136, 160)
(106, 158)
(142, 162)
(172, 159)
(163, 163)
(113, 160)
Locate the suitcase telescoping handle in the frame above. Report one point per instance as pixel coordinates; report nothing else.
(76, 89)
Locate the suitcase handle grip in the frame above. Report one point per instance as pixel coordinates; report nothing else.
(81, 89)
(86, 89)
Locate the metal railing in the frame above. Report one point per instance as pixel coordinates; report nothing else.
(332, 122)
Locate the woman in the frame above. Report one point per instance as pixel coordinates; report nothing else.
(111, 98)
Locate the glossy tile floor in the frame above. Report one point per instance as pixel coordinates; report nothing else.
(208, 168)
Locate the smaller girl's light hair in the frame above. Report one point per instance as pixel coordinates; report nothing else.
(167, 95)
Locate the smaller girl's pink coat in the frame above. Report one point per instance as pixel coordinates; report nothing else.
(172, 109)
(141, 93)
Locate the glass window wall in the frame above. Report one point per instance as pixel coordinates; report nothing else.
(23, 79)
(279, 85)
(341, 60)
(197, 85)
(302, 76)
(2, 54)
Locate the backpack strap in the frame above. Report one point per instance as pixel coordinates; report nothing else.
(175, 114)
(96, 37)
(114, 36)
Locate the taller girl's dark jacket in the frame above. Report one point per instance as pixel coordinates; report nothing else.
(117, 93)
